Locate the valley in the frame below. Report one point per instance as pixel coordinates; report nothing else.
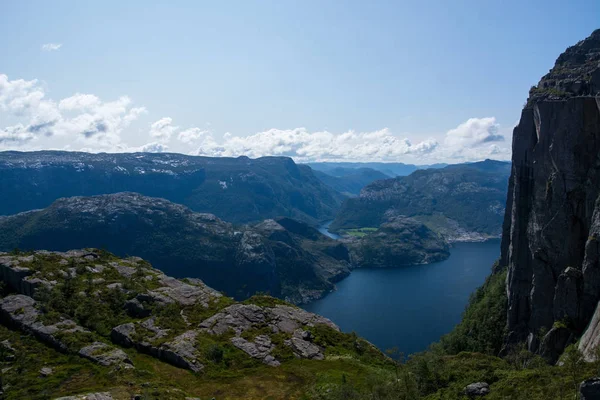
(409, 307)
(147, 276)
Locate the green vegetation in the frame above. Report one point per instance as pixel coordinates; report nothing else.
(483, 324)
(471, 194)
(358, 232)
(352, 369)
(264, 300)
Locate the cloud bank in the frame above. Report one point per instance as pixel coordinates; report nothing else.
(83, 118)
(86, 122)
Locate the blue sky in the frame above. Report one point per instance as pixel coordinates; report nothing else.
(409, 81)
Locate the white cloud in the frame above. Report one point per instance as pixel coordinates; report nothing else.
(475, 139)
(191, 135)
(163, 129)
(15, 135)
(303, 145)
(85, 121)
(19, 97)
(51, 46)
(81, 117)
(474, 132)
(79, 102)
(153, 147)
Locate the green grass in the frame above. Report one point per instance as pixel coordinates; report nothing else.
(358, 232)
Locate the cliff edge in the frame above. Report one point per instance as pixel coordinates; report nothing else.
(552, 222)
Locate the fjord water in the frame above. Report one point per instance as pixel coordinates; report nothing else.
(409, 307)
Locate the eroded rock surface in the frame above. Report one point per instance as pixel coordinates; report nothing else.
(179, 351)
(241, 318)
(477, 389)
(20, 311)
(552, 223)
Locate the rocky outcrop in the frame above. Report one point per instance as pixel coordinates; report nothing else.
(477, 389)
(290, 321)
(301, 345)
(552, 222)
(21, 312)
(188, 325)
(260, 348)
(180, 351)
(172, 291)
(103, 354)
(243, 317)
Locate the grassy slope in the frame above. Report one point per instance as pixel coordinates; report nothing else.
(230, 374)
(353, 369)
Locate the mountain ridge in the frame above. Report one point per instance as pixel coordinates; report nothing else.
(240, 260)
(239, 189)
(460, 201)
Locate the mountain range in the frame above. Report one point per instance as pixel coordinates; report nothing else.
(283, 257)
(349, 181)
(391, 169)
(461, 201)
(237, 190)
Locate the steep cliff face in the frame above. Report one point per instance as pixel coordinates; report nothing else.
(552, 223)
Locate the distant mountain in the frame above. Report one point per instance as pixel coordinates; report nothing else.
(284, 257)
(389, 169)
(399, 241)
(461, 201)
(239, 189)
(349, 181)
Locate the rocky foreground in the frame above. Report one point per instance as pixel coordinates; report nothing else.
(95, 306)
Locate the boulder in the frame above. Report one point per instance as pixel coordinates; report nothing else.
(554, 343)
(260, 348)
(180, 351)
(105, 355)
(302, 347)
(477, 389)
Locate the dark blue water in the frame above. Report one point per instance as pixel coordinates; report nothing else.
(409, 307)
